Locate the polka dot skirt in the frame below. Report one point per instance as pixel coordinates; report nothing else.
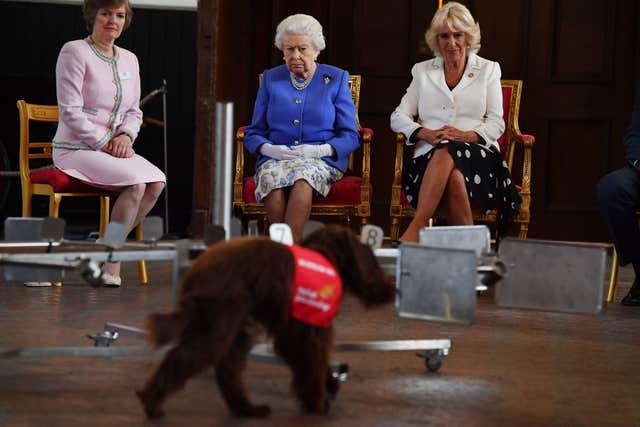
(489, 183)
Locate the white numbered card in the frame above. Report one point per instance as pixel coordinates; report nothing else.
(280, 232)
(372, 236)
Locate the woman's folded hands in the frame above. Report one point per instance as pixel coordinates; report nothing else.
(446, 133)
(309, 151)
(278, 152)
(120, 146)
(306, 151)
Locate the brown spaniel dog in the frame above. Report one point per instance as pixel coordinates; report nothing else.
(239, 283)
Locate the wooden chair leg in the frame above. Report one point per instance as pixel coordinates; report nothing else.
(27, 197)
(54, 212)
(104, 214)
(142, 265)
(54, 205)
(395, 228)
(524, 228)
(613, 280)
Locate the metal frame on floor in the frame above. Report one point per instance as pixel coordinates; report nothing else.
(431, 350)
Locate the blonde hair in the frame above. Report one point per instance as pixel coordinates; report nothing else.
(457, 17)
(303, 24)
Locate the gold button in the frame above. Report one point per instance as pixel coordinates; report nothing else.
(115, 98)
(296, 122)
(298, 101)
(471, 75)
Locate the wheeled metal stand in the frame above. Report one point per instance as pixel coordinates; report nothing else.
(431, 350)
(51, 264)
(161, 90)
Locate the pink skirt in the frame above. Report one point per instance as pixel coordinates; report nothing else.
(102, 170)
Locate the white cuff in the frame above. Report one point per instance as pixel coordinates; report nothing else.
(325, 150)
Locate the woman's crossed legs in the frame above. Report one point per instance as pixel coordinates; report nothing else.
(441, 182)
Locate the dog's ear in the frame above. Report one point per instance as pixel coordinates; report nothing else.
(336, 244)
(372, 285)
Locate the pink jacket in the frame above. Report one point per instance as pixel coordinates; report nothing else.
(98, 96)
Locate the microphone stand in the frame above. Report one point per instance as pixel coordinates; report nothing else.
(163, 90)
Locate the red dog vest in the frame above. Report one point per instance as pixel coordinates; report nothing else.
(317, 288)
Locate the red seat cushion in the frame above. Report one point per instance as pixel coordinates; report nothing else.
(61, 182)
(345, 191)
(506, 104)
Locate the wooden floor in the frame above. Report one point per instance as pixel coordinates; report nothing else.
(512, 368)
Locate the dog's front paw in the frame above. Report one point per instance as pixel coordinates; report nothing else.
(253, 411)
(333, 386)
(152, 411)
(317, 407)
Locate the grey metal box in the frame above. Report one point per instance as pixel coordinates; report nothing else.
(17, 229)
(436, 284)
(474, 237)
(30, 273)
(554, 276)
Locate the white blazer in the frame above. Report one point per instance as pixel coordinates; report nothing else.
(474, 104)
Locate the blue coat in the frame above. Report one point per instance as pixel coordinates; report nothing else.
(321, 113)
(632, 135)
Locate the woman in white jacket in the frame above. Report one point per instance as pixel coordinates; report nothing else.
(452, 113)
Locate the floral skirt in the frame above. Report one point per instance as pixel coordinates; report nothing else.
(274, 174)
(486, 173)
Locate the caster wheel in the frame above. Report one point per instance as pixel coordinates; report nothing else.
(340, 372)
(103, 339)
(432, 359)
(433, 363)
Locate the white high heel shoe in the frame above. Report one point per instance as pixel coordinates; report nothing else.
(111, 281)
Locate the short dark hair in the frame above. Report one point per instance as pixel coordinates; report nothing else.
(90, 9)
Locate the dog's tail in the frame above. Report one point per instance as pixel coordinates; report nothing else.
(164, 327)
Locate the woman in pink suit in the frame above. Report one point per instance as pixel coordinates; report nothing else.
(98, 89)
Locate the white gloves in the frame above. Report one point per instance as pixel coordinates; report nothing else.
(309, 151)
(305, 151)
(278, 152)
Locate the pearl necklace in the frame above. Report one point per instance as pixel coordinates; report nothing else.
(300, 85)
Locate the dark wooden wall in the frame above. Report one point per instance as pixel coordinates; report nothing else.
(163, 40)
(577, 58)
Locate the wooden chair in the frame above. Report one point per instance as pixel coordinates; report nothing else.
(51, 182)
(349, 196)
(511, 93)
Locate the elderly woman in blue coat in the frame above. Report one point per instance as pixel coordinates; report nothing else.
(303, 127)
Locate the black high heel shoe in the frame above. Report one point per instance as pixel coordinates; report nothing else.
(395, 243)
(632, 299)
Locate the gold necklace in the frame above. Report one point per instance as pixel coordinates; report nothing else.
(110, 55)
